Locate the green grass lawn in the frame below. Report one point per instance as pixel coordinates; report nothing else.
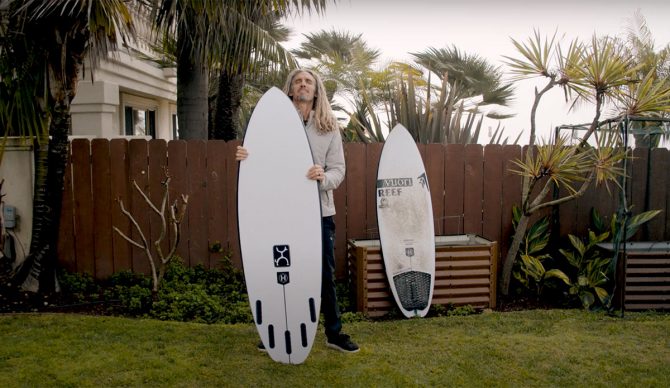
(527, 348)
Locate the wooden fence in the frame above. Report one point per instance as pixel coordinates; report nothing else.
(472, 188)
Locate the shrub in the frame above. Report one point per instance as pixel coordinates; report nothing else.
(186, 294)
(202, 295)
(78, 286)
(189, 302)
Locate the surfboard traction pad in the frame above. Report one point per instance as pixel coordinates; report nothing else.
(413, 288)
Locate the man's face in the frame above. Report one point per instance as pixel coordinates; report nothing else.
(303, 87)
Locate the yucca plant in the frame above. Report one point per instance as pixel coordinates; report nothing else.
(592, 73)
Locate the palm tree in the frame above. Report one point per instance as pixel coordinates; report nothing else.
(469, 75)
(221, 34)
(447, 113)
(44, 45)
(230, 85)
(343, 59)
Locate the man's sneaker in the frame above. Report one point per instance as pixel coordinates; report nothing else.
(342, 343)
(261, 347)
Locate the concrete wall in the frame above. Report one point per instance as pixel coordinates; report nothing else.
(17, 169)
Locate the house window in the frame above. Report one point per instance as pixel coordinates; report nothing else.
(140, 122)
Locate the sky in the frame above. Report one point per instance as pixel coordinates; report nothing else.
(484, 27)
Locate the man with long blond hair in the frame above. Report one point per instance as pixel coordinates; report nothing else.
(305, 88)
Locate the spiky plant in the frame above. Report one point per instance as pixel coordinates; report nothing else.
(593, 73)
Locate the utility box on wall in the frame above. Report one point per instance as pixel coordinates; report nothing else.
(465, 274)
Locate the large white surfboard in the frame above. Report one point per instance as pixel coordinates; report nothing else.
(279, 221)
(405, 220)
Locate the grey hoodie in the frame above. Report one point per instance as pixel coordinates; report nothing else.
(328, 152)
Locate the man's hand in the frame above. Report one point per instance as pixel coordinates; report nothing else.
(316, 173)
(241, 153)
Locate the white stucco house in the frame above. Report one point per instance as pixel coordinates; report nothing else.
(127, 96)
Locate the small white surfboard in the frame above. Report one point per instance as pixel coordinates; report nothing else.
(279, 221)
(405, 220)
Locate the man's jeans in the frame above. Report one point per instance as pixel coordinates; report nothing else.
(329, 307)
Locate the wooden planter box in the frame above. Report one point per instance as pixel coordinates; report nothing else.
(465, 274)
(647, 276)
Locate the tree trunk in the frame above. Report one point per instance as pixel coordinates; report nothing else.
(508, 265)
(192, 89)
(38, 272)
(227, 112)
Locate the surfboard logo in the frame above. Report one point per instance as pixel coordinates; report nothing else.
(394, 182)
(283, 278)
(392, 187)
(281, 255)
(423, 179)
(409, 252)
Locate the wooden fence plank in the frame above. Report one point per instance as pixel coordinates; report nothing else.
(83, 206)
(66, 253)
(217, 199)
(340, 198)
(639, 182)
(372, 153)
(585, 205)
(118, 152)
(492, 206)
(138, 152)
(474, 187)
(434, 163)
(454, 170)
(233, 239)
(179, 187)
(607, 201)
(355, 186)
(196, 167)
(156, 170)
(658, 187)
(102, 212)
(511, 195)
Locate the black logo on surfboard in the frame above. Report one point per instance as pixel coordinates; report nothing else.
(282, 256)
(283, 278)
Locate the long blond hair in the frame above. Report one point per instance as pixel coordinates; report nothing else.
(323, 114)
